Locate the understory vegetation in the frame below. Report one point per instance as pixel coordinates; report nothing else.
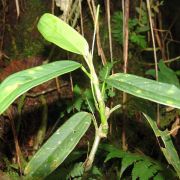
(89, 89)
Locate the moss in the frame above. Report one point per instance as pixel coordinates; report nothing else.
(28, 41)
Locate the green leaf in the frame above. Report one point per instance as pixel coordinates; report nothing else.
(58, 146)
(159, 176)
(166, 145)
(142, 29)
(76, 171)
(142, 166)
(96, 172)
(139, 40)
(128, 160)
(162, 93)
(115, 154)
(168, 74)
(18, 83)
(143, 170)
(60, 33)
(165, 74)
(105, 70)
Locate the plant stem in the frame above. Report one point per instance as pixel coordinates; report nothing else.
(98, 94)
(103, 128)
(90, 159)
(99, 102)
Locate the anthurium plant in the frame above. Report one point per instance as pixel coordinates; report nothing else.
(63, 141)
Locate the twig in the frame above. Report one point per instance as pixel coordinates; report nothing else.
(81, 18)
(95, 30)
(17, 8)
(3, 26)
(155, 56)
(49, 90)
(109, 29)
(166, 61)
(125, 58)
(92, 8)
(52, 7)
(153, 39)
(175, 129)
(17, 147)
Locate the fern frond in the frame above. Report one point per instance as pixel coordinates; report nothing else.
(137, 30)
(143, 167)
(127, 161)
(76, 172)
(106, 70)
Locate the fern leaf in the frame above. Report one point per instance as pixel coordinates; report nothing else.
(115, 154)
(76, 172)
(139, 40)
(96, 171)
(143, 170)
(143, 167)
(127, 161)
(105, 71)
(159, 176)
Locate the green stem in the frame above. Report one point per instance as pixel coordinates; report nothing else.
(90, 159)
(86, 72)
(103, 128)
(98, 94)
(43, 126)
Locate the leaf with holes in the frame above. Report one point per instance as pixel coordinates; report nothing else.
(17, 84)
(60, 33)
(166, 144)
(58, 146)
(159, 92)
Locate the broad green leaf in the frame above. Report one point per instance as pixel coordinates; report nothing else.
(166, 145)
(18, 83)
(60, 33)
(162, 93)
(58, 146)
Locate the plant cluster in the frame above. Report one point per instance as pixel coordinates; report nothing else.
(58, 147)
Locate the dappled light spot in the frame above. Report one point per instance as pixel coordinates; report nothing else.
(11, 87)
(138, 91)
(169, 102)
(54, 164)
(39, 68)
(31, 71)
(59, 142)
(121, 80)
(170, 91)
(115, 75)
